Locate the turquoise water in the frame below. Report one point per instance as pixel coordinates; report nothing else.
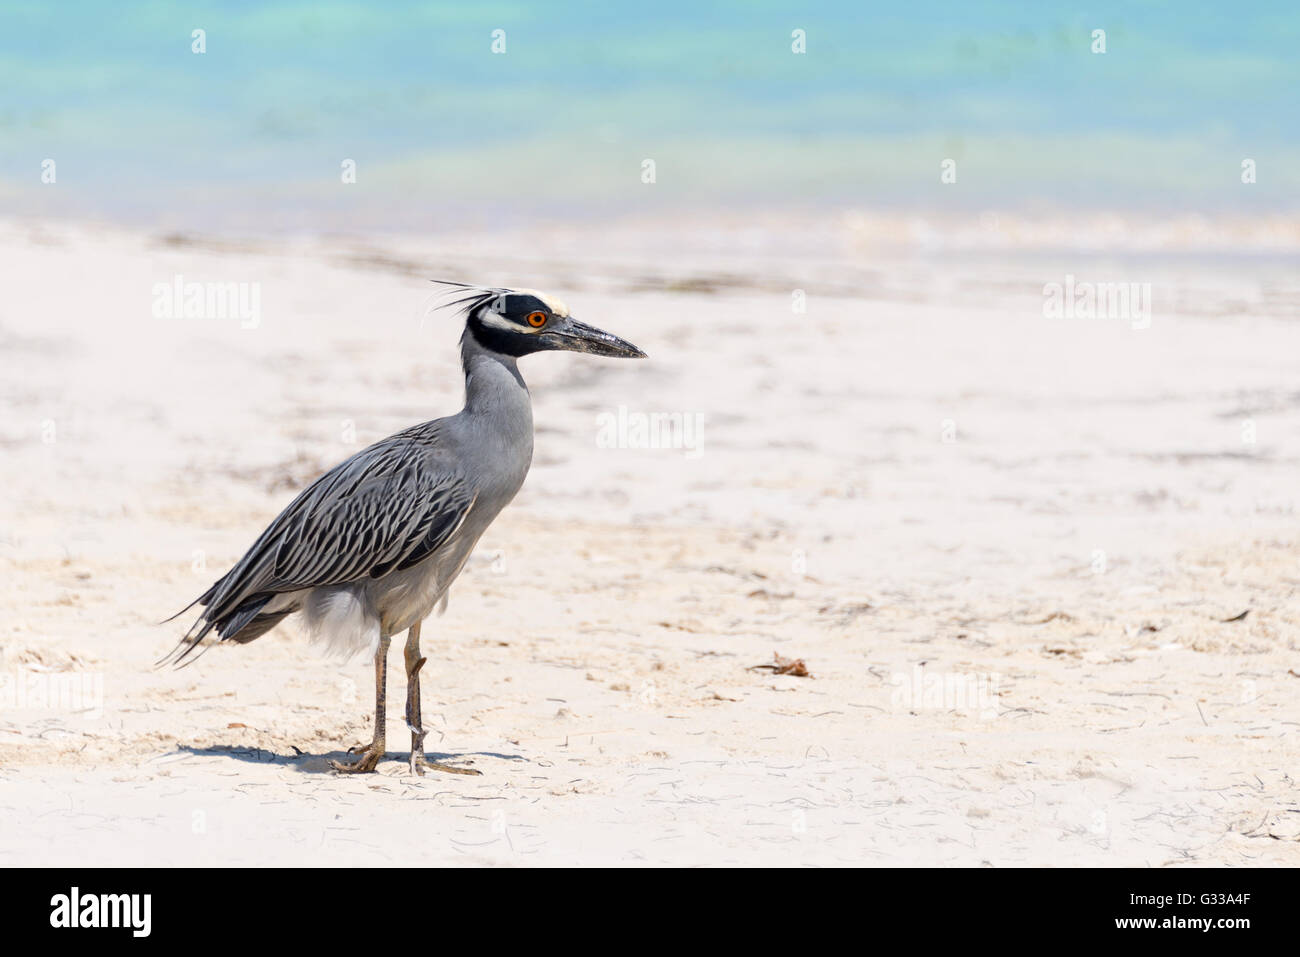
(441, 128)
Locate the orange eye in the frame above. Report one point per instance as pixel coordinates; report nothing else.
(537, 319)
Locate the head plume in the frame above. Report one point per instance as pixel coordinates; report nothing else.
(466, 297)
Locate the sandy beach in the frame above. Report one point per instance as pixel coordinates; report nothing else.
(1043, 572)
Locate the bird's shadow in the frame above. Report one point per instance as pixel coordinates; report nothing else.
(308, 762)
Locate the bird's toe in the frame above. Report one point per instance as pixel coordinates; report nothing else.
(371, 755)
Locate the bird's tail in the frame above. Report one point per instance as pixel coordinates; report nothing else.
(241, 624)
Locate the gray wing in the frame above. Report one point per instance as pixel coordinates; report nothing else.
(386, 508)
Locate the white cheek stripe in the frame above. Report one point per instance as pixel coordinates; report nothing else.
(490, 317)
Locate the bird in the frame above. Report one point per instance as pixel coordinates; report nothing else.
(370, 548)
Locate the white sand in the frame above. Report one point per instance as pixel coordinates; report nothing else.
(595, 660)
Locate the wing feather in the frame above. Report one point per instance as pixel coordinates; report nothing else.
(386, 508)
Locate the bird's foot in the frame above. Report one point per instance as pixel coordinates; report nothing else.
(419, 764)
(371, 755)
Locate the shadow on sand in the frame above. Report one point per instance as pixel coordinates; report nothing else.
(319, 763)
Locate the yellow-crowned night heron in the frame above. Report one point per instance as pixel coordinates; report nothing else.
(371, 547)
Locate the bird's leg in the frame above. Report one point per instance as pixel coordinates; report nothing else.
(414, 662)
(372, 753)
(413, 665)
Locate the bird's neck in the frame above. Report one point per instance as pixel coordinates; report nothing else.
(493, 385)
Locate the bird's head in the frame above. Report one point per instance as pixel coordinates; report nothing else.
(516, 322)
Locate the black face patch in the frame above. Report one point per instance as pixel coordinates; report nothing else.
(504, 341)
(498, 319)
(516, 307)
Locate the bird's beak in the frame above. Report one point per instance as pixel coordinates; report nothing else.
(574, 336)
